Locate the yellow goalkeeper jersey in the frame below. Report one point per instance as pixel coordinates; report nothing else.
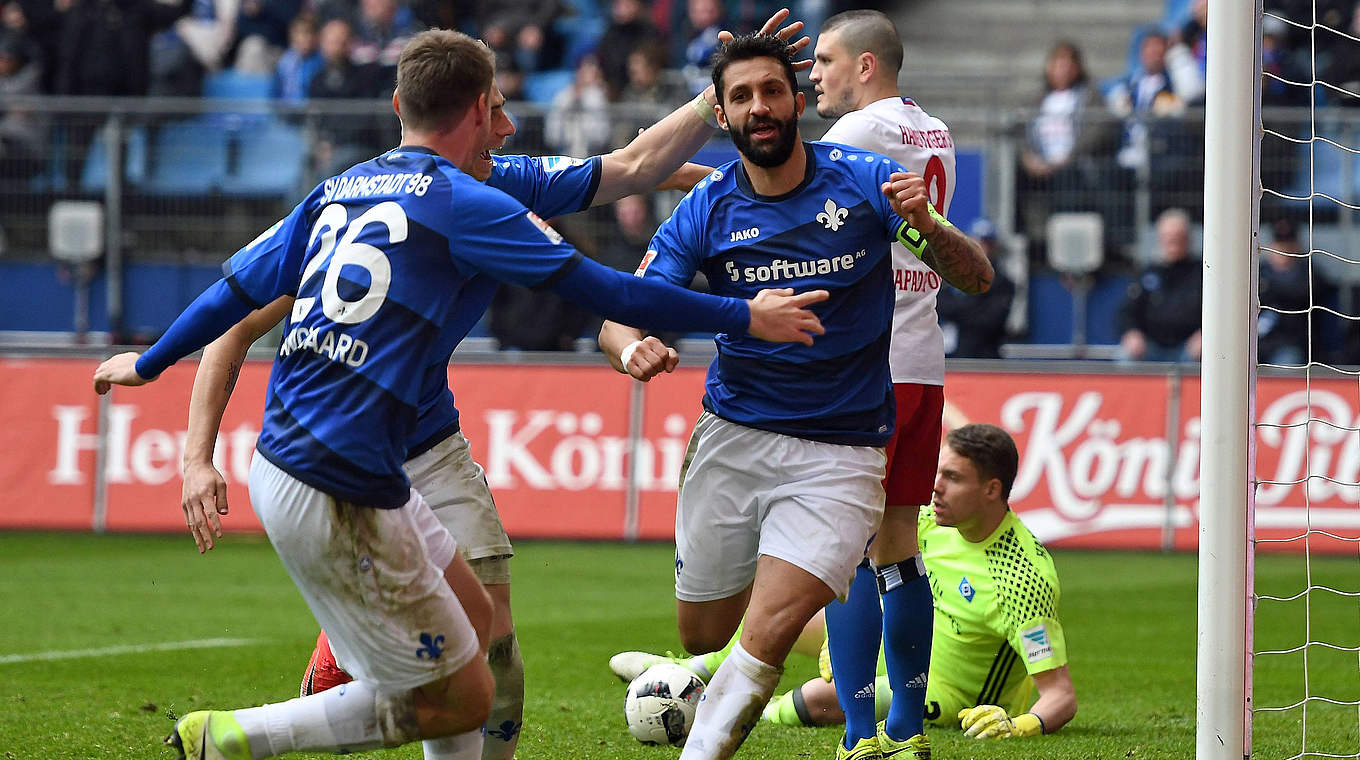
(996, 617)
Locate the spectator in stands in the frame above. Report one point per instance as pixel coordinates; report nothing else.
(197, 44)
(632, 230)
(342, 141)
(23, 134)
(509, 77)
(1279, 61)
(262, 33)
(1065, 160)
(1286, 285)
(300, 63)
(1145, 94)
(523, 30)
(648, 95)
(1344, 70)
(975, 326)
(1160, 317)
(629, 28)
(705, 19)
(95, 33)
(1185, 58)
(382, 29)
(578, 123)
(39, 22)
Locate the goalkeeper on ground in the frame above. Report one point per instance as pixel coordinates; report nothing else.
(996, 638)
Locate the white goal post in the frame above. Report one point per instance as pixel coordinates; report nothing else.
(1231, 198)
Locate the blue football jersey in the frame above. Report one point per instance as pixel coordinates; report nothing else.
(832, 232)
(549, 186)
(379, 259)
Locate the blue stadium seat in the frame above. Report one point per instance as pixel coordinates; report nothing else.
(94, 175)
(542, 86)
(231, 83)
(269, 161)
(187, 157)
(582, 34)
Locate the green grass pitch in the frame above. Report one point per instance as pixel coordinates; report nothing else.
(1129, 618)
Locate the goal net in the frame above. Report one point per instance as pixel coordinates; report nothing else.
(1279, 677)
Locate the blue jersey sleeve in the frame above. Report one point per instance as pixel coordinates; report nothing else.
(270, 265)
(676, 251)
(207, 318)
(549, 186)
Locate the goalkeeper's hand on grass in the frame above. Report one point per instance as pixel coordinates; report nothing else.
(992, 722)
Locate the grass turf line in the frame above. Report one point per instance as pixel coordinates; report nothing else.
(1129, 619)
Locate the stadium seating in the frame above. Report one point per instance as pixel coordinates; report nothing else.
(188, 157)
(94, 175)
(269, 161)
(542, 86)
(233, 84)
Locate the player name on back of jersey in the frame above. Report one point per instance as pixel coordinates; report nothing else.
(330, 344)
(921, 138)
(355, 186)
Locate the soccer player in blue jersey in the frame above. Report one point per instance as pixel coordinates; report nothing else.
(378, 260)
(440, 463)
(783, 482)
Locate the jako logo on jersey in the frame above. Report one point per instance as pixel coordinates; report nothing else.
(966, 589)
(739, 235)
(832, 218)
(646, 262)
(1037, 646)
(548, 232)
(783, 269)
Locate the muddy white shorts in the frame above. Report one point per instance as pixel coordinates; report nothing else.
(374, 579)
(454, 486)
(746, 492)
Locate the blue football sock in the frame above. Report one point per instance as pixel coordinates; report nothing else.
(853, 631)
(908, 622)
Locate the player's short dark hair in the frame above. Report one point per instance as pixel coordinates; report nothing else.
(440, 74)
(991, 450)
(747, 47)
(867, 31)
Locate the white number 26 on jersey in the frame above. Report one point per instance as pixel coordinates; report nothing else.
(350, 253)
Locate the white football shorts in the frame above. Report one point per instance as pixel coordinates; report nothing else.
(374, 579)
(746, 492)
(454, 486)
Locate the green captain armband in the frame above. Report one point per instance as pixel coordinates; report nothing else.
(914, 240)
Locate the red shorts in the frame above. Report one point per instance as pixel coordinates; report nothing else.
(914, 451)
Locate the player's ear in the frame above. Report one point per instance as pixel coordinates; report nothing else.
(799, 103)
(722, 117)
(396, 104)
(993, 489)
(867, 66)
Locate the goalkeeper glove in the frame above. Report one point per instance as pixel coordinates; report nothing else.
(992, 722)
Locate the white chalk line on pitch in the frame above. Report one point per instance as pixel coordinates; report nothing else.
(167, 646)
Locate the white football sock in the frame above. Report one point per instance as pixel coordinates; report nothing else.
(350, 717)
(730, 707)
(466, 746)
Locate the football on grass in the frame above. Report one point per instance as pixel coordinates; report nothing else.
(660, 704)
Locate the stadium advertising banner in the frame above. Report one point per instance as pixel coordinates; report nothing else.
(1101, 465)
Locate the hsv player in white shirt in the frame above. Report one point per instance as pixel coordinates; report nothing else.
(857, 60)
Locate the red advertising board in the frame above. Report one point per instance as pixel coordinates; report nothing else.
(1100, 467)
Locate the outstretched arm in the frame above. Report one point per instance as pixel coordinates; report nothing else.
(958, 258)
(204, 495)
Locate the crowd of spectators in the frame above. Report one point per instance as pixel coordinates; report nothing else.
(624, 63)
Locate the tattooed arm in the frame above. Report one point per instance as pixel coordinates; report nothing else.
(204, 495)
(958, 258)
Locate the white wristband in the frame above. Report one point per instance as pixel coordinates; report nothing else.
(627, 353)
